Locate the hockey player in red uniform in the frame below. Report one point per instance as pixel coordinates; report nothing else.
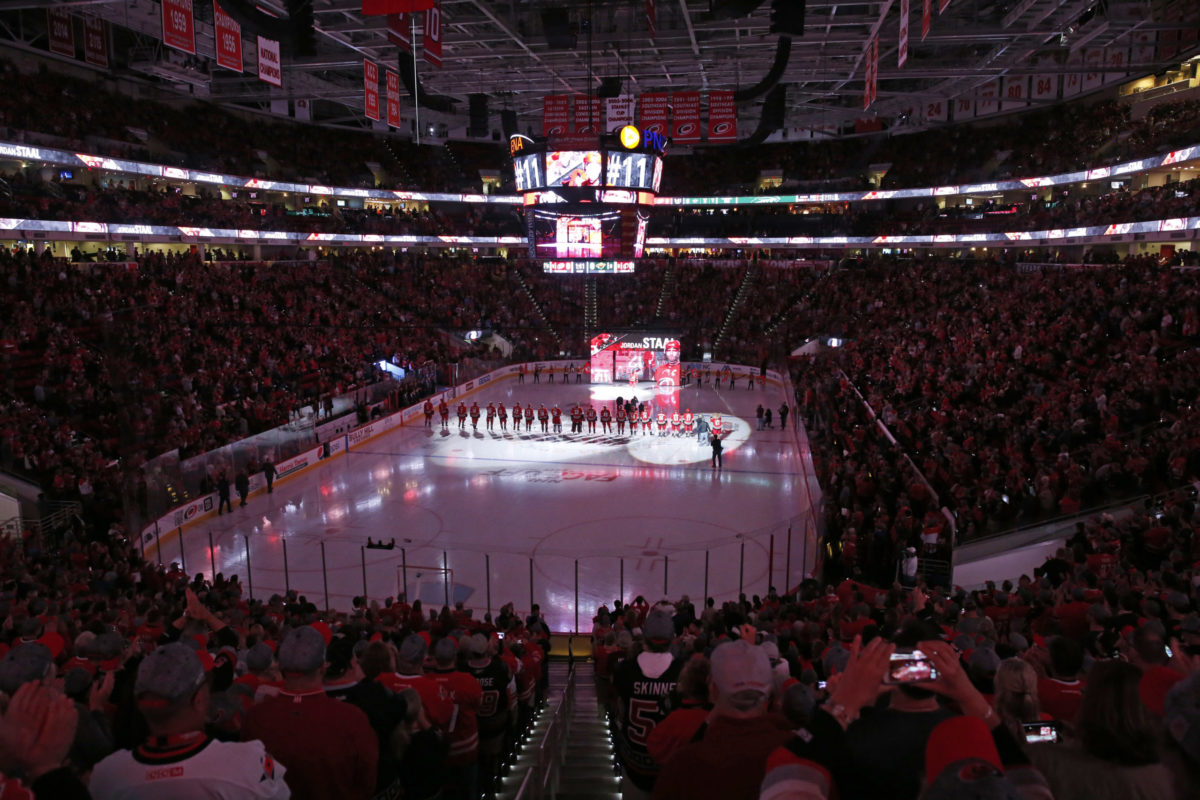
(462, 416)
(475, 416)
(502, 414)
(606, 420)
(516, 414)
(576, 419)
(428, 413)
(444, 411)
(661, 419)
(544, 418)
(556, 418)
(645, 416)
(675, 422)
(620, 419)
(667, 373)
(528, 416)
(689, 422)
(591, 418)
(491, 415)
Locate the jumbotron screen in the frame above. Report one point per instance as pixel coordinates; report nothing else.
(636, 357)
(586, 233)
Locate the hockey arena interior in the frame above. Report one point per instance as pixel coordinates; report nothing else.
(458, 400)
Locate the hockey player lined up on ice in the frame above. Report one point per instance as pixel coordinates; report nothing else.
(491, 415)
(544, 418)
(475, 416)
(676, 421)
(591, 418)
(444, 411)
(689, 422)
(577, 419)
(645, 417)
(528, 416)
(620, 418)
(556, 418)
(428, 413)
(606, 420)
(502, 413)
(462, 416)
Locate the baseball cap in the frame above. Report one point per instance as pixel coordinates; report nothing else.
(302, 650)
(170, 674)
(24, 664)
(445, 651)
(259, 658)
(658, 627)
(741, 667)
(413, 649)
(962, 763)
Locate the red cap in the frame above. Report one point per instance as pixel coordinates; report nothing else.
(376, 637)
(325, 631)
(957, 739)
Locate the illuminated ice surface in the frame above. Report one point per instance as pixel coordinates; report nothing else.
(544, 515)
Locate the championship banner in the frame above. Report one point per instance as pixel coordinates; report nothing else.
(270, 69)
(587, 115)
(618, 112)
(178, 26)
(399, 31)
(902, 54)
(393, 99)
(95, 42)
(377, 8)
(926, 18)
(685, 125)
(654, 112)
(370, 89)
(556, 112)
(61, 32)
(722, 117)
(432, 43)
(229, 39)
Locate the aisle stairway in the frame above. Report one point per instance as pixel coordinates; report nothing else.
(569, 753)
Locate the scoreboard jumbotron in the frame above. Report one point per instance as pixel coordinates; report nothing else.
(587, 198)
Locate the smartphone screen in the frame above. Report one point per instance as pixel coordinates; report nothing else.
(1040, 732)
(911, 667)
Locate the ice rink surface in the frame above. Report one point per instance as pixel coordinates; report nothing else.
(487, 517)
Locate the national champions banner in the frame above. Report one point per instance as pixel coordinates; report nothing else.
(370, 89)
(393, 99)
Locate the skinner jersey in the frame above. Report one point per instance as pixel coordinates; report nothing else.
(643, 696)
(209, 770)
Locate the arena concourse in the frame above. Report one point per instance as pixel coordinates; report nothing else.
(348, 450)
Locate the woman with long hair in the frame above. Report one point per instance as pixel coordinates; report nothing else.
(1115, 754)
(1016, 699)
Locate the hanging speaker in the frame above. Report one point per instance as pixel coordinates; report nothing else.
(477, 110)
(508, 122)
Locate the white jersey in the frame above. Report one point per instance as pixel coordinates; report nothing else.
(213, 771)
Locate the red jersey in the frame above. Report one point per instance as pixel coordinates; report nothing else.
(591, 414)
(543, 414)
(475, 411)
(557, 414)
(428, 408)
(444, 410)
(466, 693)
(434, 696)
(462, 411)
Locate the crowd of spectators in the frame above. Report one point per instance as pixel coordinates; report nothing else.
(122, 678)
(1018, 396)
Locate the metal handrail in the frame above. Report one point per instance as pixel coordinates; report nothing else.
(541, 780)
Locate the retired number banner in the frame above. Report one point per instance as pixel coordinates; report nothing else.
(433, 35)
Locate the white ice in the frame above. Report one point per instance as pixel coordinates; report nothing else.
(548, 518)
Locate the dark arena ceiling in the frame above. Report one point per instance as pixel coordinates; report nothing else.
(517, 51)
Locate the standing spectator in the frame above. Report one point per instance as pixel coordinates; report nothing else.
(715, 441)
(179, 759)
(223, 494)
(783, 415)
(466, 693)
(497, 686)
(242, 483)
(269, 466)
(728, 758)
(410, 674)
(330, 745)
(641, 684)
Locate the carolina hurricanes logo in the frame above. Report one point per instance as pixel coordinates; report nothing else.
(656, 127)
(720, 128)
(686, 129)
(556, 130)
